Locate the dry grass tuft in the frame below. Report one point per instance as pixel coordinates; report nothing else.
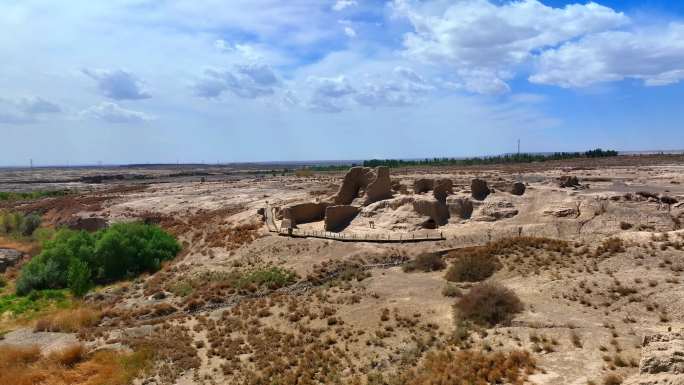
(69, 321)
(70, 366)
(69, 355)
(471, 367)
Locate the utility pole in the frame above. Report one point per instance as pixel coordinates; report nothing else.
(31, 164)
(518, 146)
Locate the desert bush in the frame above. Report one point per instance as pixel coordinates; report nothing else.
(426, 262)
(472, 268)
(611, 246)
(488, 304)
(612, 379)
(78, 259)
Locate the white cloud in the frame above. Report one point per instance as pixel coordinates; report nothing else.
(245, 80)
(342, 4)
(113, 113)
(655, 56)
(349, 31)
(36, 105)
(26, 110)
(482, 42)
(328, 93)
(118, 84)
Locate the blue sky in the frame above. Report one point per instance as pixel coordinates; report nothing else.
(128, 81)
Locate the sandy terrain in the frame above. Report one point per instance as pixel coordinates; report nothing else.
(353, 312)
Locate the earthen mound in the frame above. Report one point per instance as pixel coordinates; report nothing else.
(339, 217)
(375, 184)
(442, 188)
(518, 188)
(423, 185)
(662, 360)
(304, 212)
(479, 189)
(460, 207)
(431, 207)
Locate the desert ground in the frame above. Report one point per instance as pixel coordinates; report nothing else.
(596, 264)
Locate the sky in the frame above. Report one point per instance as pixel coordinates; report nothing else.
(148, 81)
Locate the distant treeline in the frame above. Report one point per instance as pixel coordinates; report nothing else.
(498, 159)
(16, 196)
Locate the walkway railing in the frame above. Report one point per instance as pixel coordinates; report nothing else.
(370, 237)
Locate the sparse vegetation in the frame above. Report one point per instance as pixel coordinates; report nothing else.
(78, 260)
(470, 367)
(426, 262)
(488, 304)
(36, 302)
(19, 196)
(472, 267)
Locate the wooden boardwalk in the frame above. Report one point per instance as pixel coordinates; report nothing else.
(351, 237)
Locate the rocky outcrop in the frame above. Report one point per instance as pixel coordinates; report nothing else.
(423, 185)
(562, 212)
(460, 207)
(662, 360)
(87, 224)
(494, 211)
(442, 188)
(339, 217)
(431, 207)
(479, 189)
(8, 258)
(518, 188)
(568, 181)
(304, 212)
(374, 183)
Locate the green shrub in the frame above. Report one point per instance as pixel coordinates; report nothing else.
(488, 304)
(78, 259)
(29, 225)
(472, 268)
(79, 278)
(273, 278)
(37, 301)
(17, 224)
(16, 196)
